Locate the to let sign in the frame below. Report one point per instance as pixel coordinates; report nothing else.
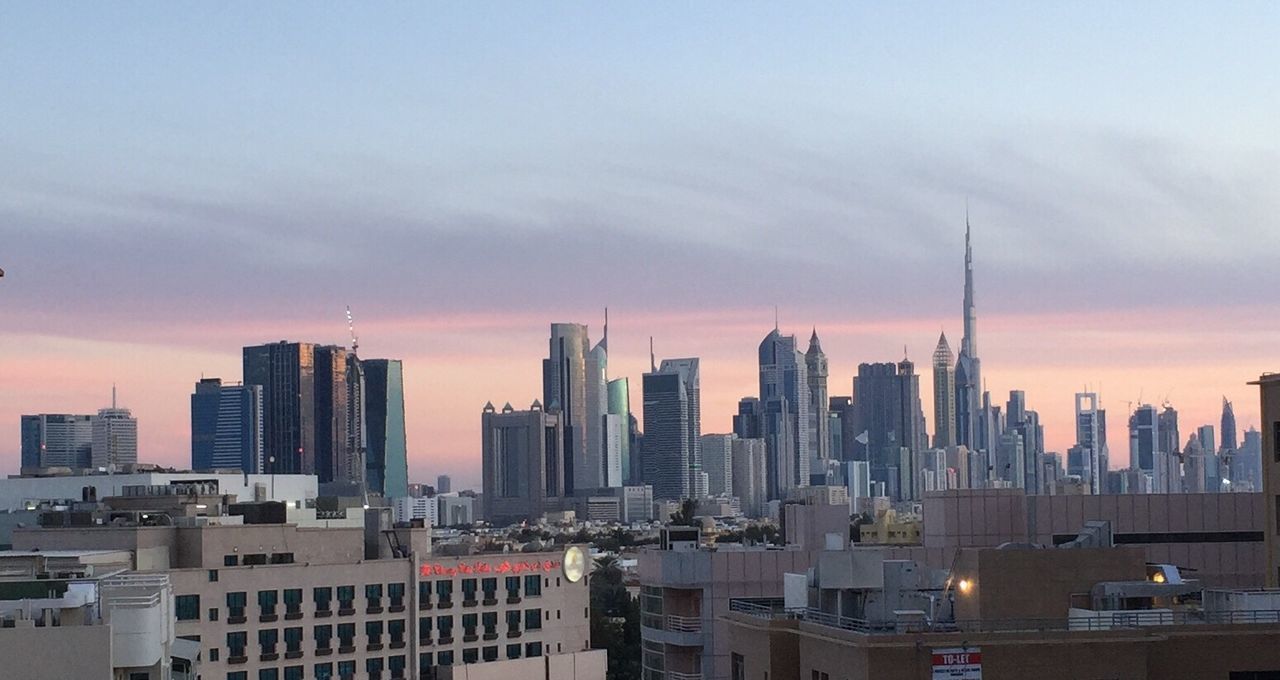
(957, 663)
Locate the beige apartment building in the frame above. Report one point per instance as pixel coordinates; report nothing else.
(283, 602)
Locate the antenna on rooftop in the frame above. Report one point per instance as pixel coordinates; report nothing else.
(351, 328)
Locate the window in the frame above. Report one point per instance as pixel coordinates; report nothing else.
(324, 634)
(268, 674)
(346, 669)
(373, 593)
(323, 598)
(513, 651)
(293, 673)
(373, 631)
(490, 588)
(533, 619)
(235, 607)
(213, 654)
(444, 594)
(445, 624)
(737, 667)
(213, 576)
(395, 631)
(267, 638)
(324, 671)
(282, 558)
(395, 664)
(236, 642)
(346, 600)
(424, 664)
(230, 560)
(346, 637)
(532, 586)
(374, 668)
(533, 649)
(468, 592)
(489, 653)
(187, 607)
(470, 655)
(513, 589)
(395, 597)
(255, 560)
(513, 623)
(213, 613)
(444, 658)
(293, 642)
(424, 595)
(293, 603)
(238, 675)
(424, 629)
(469, 627)
(267, 605)
(490, 622)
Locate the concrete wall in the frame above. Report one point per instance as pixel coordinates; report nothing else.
(56, 653)
(1036, 584)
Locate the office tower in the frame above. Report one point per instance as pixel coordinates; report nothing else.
(672, 427)
(618, 434)
(1246, 473)
(1010, 465)
(1228, 426)
(1195, 465)
(521, 457)
(594, 472)
(635, 468)
(1212, 470)
(564, 390)
(717, 463)
(226, 427)
(746, 423)
(286, 371)
(355, 454)
(889, 410)
(444, 484)
(387, 449)
(749, 474)
(784, 401)
(944, 395)
(115, 436)
(819, 433)
(968, 374)
(847, 413)
(1085, 459)
(1167, 431)
(1269, 414)
(57, 440)
(334, 460)
(1144, 437)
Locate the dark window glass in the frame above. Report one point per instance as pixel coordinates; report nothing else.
(267, 639)
(533, 619)
(513, 651)
(187, 607)
(532, 586)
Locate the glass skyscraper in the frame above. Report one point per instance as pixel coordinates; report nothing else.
(387, 459)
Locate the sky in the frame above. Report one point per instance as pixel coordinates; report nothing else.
(178, 180)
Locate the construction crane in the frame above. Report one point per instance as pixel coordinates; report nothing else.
(351, 328)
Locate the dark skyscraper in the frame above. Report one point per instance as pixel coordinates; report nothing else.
(332, 459)
(888, 407)
(672, 428)
(968, 366)
(784, 404)
(226, 427)
(564, 390)
(287, 373)
(387, 460)
(521, 455)
(1228, 433)
(1168, 430)
(57, 440)
(1144, 437)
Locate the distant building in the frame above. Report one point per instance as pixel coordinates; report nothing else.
(968, 373)
(57, 440)
(618, 434)
(783, 416)
(115, 437)
(1269, 414)
(717, 462)
(1144, 437)
(672, 429)
(944, 395)
(1088, 456)
(749, 475)
(522, 456)
(819, 425)
(843, 410)
(564, 391)
(444, 484)
(226, 427)
(888, 399)
(387, 454)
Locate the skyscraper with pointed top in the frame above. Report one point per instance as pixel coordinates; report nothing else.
(819, 425)
(968, 374)
(784, 416)
(944, 394)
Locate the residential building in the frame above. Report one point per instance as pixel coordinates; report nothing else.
(226, 427)
(57, 440)
(522, 456)
(717, 462)
(819, 425)
(387, 454)
(750, 474)
(29, 493)
(672, 429)
(944, 395)
(1090, 452)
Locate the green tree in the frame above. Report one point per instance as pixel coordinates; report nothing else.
(615, 620)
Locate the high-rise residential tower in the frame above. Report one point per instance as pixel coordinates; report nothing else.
(784, 418)
(749, 475)
(717, 462)
(968, 373)
(564, 390)
(387, 451)
(672, 429)
(57, 440)
(944, 395)
(819, 425)
(226, 427)
(1090, 442)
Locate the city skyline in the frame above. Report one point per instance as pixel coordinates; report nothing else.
(1123, 186)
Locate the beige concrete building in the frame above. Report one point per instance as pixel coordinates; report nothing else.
(1269, 389)
(283, 602)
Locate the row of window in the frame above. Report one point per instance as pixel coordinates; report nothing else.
(391, 667)
(377, 634)
(188, 606)
(255, 559)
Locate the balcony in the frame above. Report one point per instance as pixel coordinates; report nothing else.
(676, 675)
(672, 629)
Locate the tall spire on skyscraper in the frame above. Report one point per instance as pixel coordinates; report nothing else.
(968, 371)
(969, 344)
